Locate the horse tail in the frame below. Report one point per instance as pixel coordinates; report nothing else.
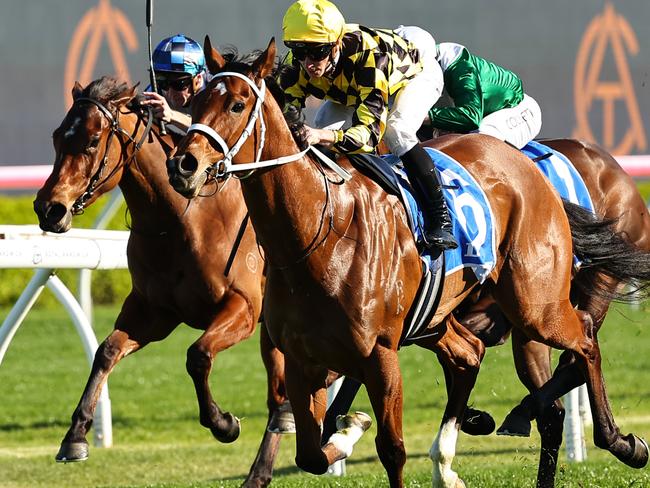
(606, 255)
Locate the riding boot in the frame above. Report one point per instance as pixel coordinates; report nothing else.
(424, 180)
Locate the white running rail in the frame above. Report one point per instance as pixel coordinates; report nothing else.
(26, 246)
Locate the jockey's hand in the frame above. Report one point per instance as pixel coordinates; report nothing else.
(159, 105)
(319, 136)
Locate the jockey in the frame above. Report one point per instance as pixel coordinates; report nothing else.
(375, 82)
(487, 99)
(179, 67)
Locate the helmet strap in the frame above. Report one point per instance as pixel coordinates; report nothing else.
(333, 59)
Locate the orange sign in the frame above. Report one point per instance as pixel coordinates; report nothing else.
(608, 30)
(103, 22)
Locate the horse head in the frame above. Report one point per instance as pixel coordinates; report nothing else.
(89, 147)
(224, 116)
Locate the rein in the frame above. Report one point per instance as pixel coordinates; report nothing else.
(94, 183)
(225, 167)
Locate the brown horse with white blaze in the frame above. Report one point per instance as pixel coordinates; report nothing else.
(177, 253)
(344, 269)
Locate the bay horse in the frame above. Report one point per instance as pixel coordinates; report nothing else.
(343, 270)
(177, 253)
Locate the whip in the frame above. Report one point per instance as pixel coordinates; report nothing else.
(152, 75)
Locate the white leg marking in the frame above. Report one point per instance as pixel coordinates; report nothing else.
(350, 429)
(442, 454)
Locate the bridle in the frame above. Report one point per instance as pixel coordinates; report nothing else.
(225, 167)
(115, 128)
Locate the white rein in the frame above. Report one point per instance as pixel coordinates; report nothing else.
(225, 166)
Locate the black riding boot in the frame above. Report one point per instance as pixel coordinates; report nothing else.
(424, 180)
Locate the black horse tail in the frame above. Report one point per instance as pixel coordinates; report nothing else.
(606, 255)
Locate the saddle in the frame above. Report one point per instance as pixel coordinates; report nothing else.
(471, 221)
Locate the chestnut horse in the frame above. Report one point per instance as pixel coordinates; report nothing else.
(615, 196)
(177, 253)
(343, 269)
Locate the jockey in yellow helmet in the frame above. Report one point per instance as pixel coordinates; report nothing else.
(376, 83)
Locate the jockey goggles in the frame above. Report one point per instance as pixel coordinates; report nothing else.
(177, 84)
(315, 52)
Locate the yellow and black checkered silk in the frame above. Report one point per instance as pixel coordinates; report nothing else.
(373, 65)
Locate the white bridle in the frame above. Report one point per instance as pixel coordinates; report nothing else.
(225, 166)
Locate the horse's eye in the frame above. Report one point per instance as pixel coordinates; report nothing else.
(93, 143)
(238, 107)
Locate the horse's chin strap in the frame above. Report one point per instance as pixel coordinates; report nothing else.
(226, 167)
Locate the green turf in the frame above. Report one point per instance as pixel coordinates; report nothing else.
(158, 441)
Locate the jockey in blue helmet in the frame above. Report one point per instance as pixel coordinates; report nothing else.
(179, 67)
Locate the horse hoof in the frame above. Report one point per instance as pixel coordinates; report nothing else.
(356, 419)
(282, 421)
(515, 424)
(230, 433)
(72, 452)
(256, 483)
(639, 456)
(477, 422)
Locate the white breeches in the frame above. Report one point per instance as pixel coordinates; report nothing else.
(517, 125)
(409, 107)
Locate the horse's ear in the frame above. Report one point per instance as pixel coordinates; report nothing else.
(264, 64)
(213, 58)
(125, 97)
(76, 90)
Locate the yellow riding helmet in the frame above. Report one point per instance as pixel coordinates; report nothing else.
(317, 21)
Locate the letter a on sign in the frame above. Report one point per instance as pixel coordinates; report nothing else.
(608, 32)
(103, 22)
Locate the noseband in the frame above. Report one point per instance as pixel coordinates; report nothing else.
(225, 167)
(94, 183)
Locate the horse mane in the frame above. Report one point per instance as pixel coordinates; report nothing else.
(109, 88)
(105, 89)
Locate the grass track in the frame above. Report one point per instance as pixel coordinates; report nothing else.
(158, 441)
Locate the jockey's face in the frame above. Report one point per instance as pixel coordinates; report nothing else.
(179, 92)
(316, 68)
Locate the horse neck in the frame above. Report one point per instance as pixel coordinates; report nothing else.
(153, 204)
(288, 204)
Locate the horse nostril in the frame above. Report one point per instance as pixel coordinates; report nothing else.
(186, 165)
(55, 212)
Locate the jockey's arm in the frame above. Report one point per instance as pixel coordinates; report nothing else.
(179, 119)
(462, 83)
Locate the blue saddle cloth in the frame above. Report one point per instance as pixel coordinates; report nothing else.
(560, 172)
(470, 214)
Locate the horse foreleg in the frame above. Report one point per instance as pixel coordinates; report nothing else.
(232, 324)
(74, 446)
(122, 341)
(280, 419)
(340, 405)
(460, 354)
(308, 402)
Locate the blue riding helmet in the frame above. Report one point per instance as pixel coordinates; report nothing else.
(179, 54)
